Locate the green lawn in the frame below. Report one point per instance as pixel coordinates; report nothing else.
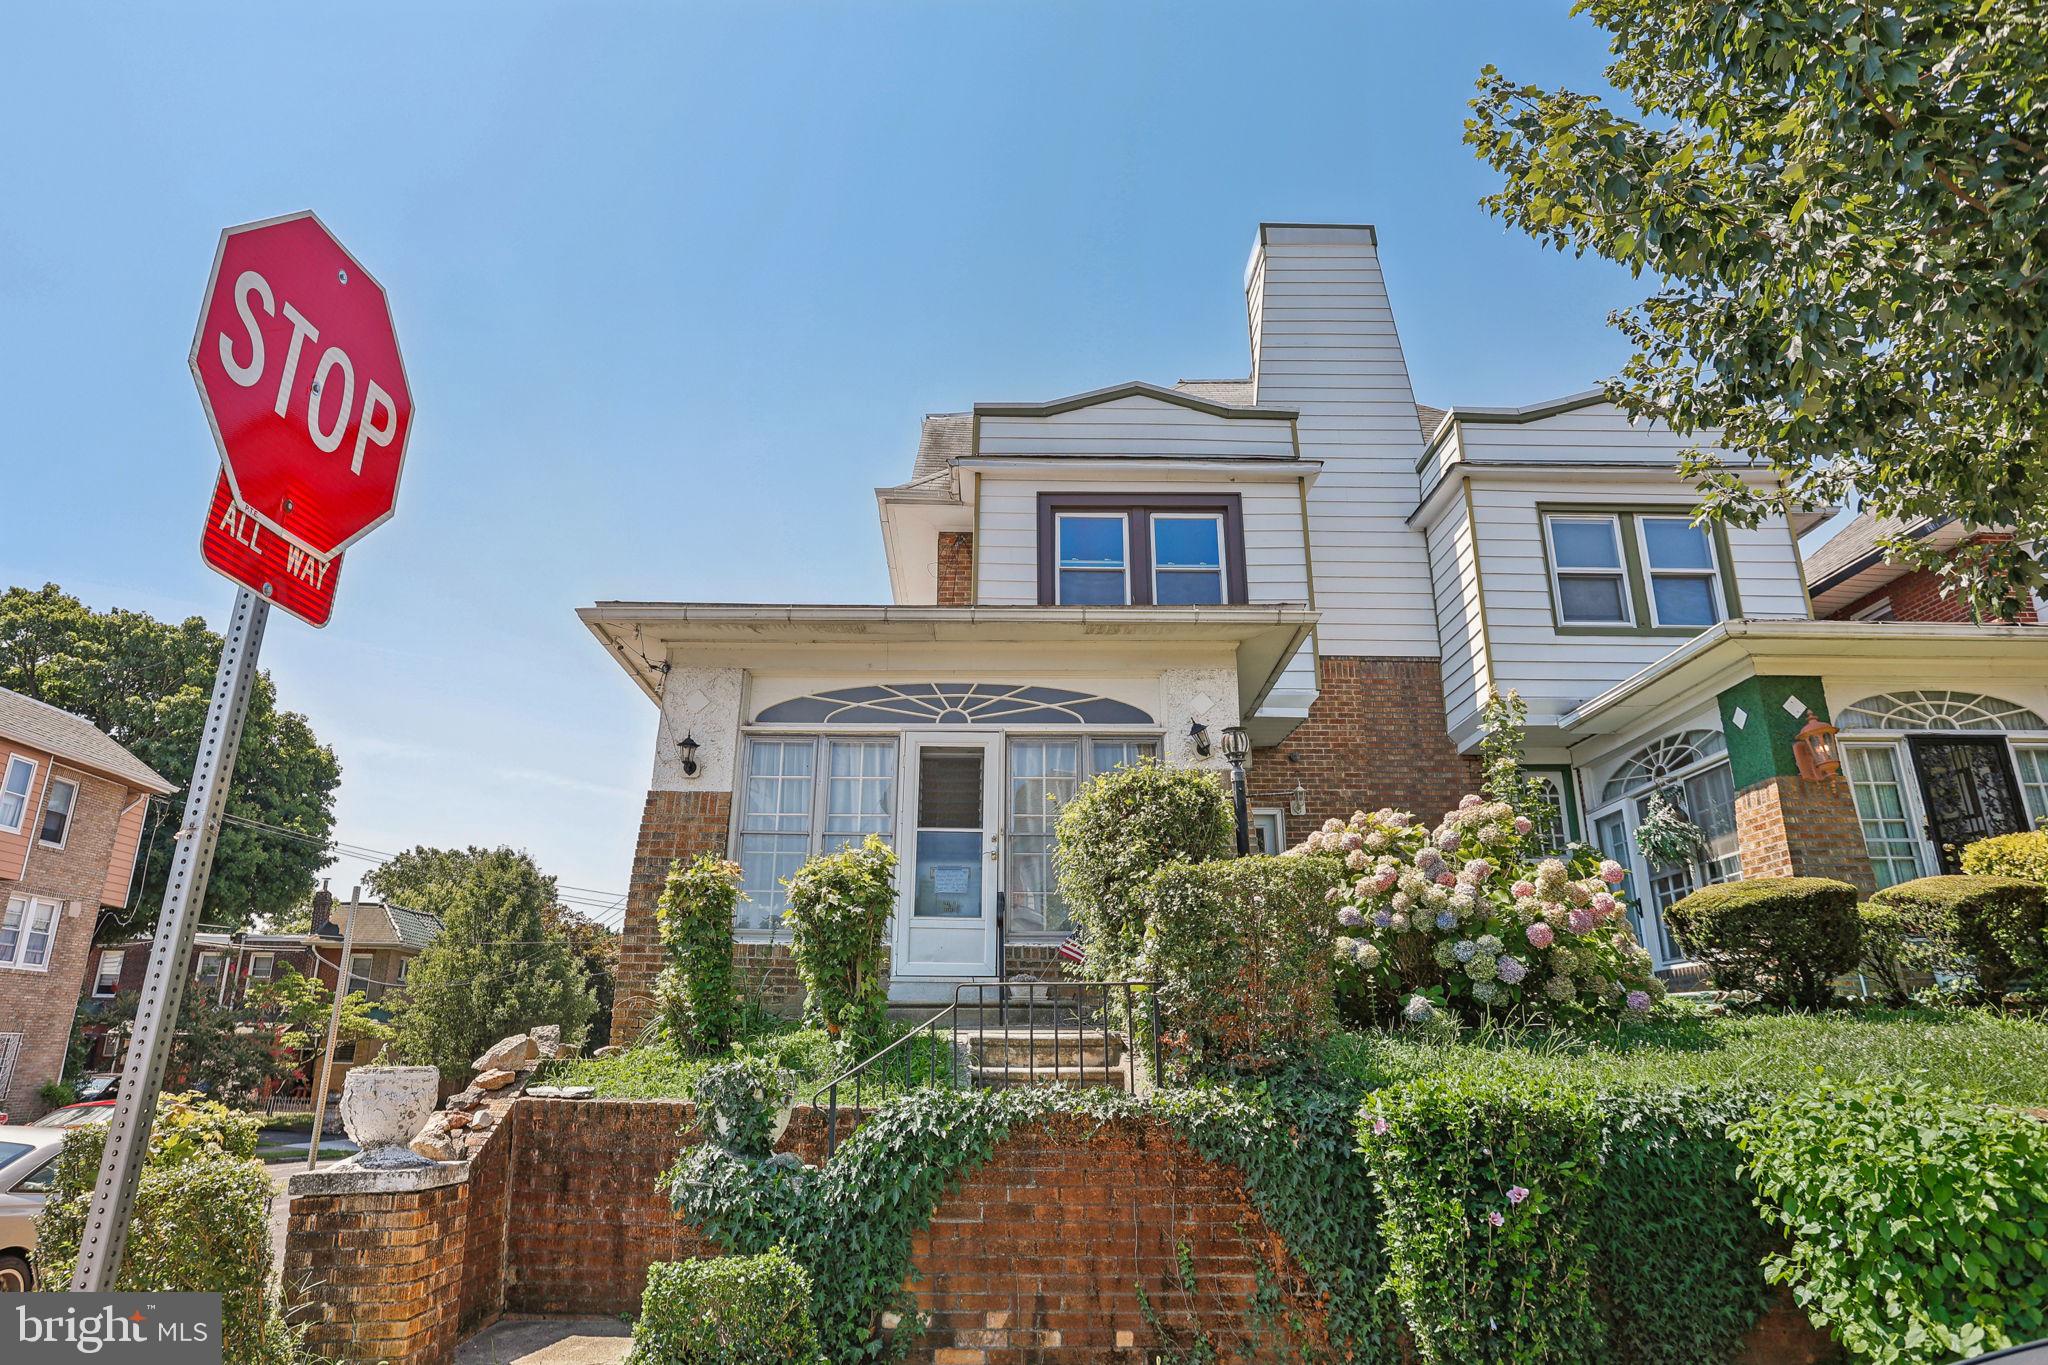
(657, 1071)
(1998, 1058)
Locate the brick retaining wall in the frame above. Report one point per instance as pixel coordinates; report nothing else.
(1037, 1256)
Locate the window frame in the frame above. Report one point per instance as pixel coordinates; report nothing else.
(1223, 555)
(1085, 771)
(1642, 622)
(30, 905)
(28, 793)
(70, 810)
(817, 811)
(1712, 573)
(1059, 519)
(99, 973)
(1137, 510)
(269, 959)
(1619, 573)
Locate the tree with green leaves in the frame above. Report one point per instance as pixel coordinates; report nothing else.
(1844, 204)
(146, 683)
(497, 967)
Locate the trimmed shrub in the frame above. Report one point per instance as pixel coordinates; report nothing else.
(201, 1222)
(735, 1310)
(1120, 829)
(1989, 927)
(839, 909)
(1915, 1218)
(2010, 855)
(1786, 938)
(1241, 949)
(1889, 955)
(1489, 1204)
(695, 989)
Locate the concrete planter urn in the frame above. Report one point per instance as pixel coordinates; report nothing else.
(383, 1106)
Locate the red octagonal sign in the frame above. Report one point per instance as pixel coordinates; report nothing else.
(299, 371)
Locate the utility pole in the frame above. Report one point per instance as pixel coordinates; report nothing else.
(348, 943)
(170, 956)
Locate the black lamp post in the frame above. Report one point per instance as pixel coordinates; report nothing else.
(1237, 747)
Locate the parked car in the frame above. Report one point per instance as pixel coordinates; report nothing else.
(72, 1115)
(101, 1085)
(28, 1171)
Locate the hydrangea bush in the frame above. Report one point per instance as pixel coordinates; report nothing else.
(1459, 917)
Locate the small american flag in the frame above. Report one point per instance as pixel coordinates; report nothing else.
(1072, 951)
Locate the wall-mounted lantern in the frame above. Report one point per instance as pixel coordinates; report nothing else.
(1198, 735)
(1815, 750)
(1297, 801)
(688, 744)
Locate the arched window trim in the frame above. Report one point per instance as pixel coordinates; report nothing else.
(1662, 759)
(1939, 709)
(948, 703)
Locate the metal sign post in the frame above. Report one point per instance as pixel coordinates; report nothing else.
(348, 943)
(163, 990)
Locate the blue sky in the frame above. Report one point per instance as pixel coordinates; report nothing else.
(674, 284)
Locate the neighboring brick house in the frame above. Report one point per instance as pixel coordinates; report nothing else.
(1348, 575)
(1853, 578)
(72, 804)
(226, 966)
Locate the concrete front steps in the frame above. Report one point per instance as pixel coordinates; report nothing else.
(1045, 1054)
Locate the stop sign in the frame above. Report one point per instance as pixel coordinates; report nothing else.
(298, 369)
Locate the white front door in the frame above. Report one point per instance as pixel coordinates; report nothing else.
(951, 814)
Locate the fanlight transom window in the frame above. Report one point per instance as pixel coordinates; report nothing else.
(1653, 763)
(949, 703)
(1938, 711)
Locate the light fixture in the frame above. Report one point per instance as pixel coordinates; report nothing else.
(1198, 733)
(1815, 751)
(1297, 801)
(688, 744)
(1237, 745)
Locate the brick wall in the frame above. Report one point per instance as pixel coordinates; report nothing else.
(673, 825)
(956, 568)
(1791, 826)
(1035, 1256)
(39, 1005)
(1918, 596)
(1375, 737)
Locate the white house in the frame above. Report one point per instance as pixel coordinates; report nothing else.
(1309, 553)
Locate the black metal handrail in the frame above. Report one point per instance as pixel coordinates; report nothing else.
(1098, 1032)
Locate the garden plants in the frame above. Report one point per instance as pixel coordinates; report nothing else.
(1989, 927)
(839, 908)
(699, 1005)
(1786, 938)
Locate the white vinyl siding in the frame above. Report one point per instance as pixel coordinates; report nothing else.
(1454, 567)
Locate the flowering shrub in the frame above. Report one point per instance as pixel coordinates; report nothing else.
(1455, 917)
(695, 988)
(839, 908)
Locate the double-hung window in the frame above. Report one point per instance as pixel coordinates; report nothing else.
(26, 929)
(1685, 587)
(1589, 570)
(1094, 559)
(260, 966)
(787, 814)
(2033, 765)
(1044, 775)
(1187, 559)
(58, 804)
(107, 979)
(14, 789)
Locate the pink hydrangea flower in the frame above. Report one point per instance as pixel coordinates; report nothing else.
(1612, 872)
(1446, 879)
(1524, 889)
(1524, 825)
(1469, 800)
(1356, 861)
(1448, 840)
(1580, 921)
(1351, 840)
(1605, 905)
(1540, 935)
(1479, 869)
(1385, 880)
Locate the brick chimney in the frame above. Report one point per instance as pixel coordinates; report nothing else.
(323, 909)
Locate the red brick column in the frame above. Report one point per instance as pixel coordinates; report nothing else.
(1376, 736)
(1792, 826)
(956, 568)
(675, 824)
(374, 1270)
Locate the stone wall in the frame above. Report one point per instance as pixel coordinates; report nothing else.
(1035, 1256)
(1375, 737)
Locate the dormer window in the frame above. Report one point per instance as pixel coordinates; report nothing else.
(1160, 549)
(1592, 581)
(1680, 559)
(1094, 559)
(1636, 571)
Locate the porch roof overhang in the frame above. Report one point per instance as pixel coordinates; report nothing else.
(1718, 658)
(641, 634)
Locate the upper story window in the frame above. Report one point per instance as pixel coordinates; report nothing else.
(107, 979)
(14, 788)
(1094, 559)
(1643, 572)
(1160, 549)
(57, 807)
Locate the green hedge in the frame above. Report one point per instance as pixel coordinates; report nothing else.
(2010, 855)
(1987, 926)
(1241, 949)
(1786, 938)
(1118, 831)
(736, 1310)
(1918, 1221)
(839, 909)
(694, 989)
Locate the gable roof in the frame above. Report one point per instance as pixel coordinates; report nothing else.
(1857, 541)
(74, 739)
(1136, 388)
(387, 926)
